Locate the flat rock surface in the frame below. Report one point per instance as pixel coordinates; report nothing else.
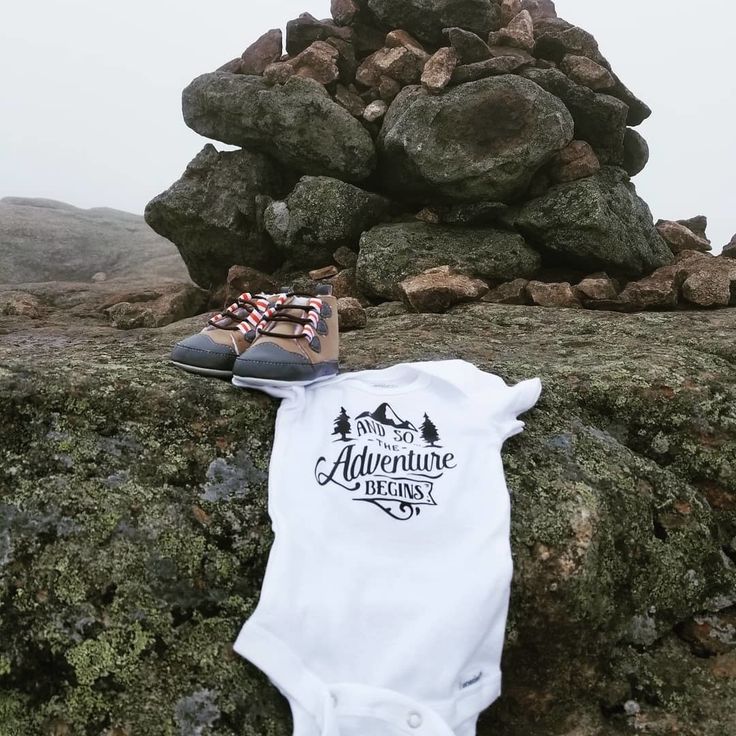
(134, 534)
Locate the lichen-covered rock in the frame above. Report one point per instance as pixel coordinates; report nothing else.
(389, 253)
(481, 140)
(596, 222)
(319, 215)
(212, 215)
(437, 289)
(244, 110)
(636, 152)
(134, 534)
(426, 18)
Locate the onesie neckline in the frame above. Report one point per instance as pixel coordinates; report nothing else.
(400, 378)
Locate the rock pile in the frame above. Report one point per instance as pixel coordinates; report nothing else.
(488, 139)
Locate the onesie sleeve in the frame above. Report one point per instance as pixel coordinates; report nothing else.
(511, 401)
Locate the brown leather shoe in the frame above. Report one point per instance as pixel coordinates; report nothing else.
(298, 343)
(213, 350)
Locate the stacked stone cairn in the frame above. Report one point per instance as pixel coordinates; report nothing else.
(432, 153)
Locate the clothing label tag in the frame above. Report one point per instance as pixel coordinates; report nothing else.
(471, 680)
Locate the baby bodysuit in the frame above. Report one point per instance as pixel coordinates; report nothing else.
(384, 601)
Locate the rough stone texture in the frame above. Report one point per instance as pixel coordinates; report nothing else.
(350, 314)
(375, 111)
(345, 284)
(244, 110)
(389, 253)
(575, 161)
(327, 272)
(539, 9)
(343, 12)
(156, 308)
(403, 63)
(438, 70)
(262, 52)
(469, 46)
(597, 222)
(345, 256)
(426, 18)
(598, 288)
(697, 224)
(587, 72)
(134, 528)
(710, 288)
(493, 67)
(245, 278)
(510, 292)
(20, 304)
(636, 152)
(318, 61)
(553, 295)
(213, 216)
(519, 32)
(600, 119)
(306, 29)
(729, 250)
(46, 240)
(319, 215)
(680, 238)
(437, 289)
(509, 10)
(483, 140)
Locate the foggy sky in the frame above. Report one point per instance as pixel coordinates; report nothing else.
(91, 93)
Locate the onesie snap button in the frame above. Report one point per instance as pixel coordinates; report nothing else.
(414, 720)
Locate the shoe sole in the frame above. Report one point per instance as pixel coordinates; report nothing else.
(211, 372)
(246, 382)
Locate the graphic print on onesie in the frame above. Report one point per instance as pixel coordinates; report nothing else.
(386, 460)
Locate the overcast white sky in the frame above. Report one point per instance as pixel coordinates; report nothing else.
(91, 93)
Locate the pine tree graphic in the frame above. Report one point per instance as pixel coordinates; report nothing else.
(429, 432)
(342, 425)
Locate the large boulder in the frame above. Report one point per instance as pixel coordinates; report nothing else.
(297, 123)
(596, 223)
(425, 19)
(480, 140)
(389, 253)
(319, 215)
(134, 530)
(213, 216)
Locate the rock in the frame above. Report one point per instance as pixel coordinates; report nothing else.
(539, 9)
(475, 213)
(438, 70)
(45, 240)
(104, 465)
(552, 295)
(211, 215)
(519, 32)
(596, 222)
(344, 284)
(468, 46)
(349, 98)
(99, 277)
(555, 43)
(233, 66)
(511, 292)
(680, 238)
(350, 314)
(326, 272)
(163, 307)
(596, 288)
(346, 257)
(483, 140)
(245, 278)
(347, 61)
(20, 304)
(523, 57)
(319, 215)
(306, 29)
(318, 61)
(402, 62)
(262, 52)
(636, 152)
(706, 280)
(710, 634)
(660, 290)
(697, 224)
(375, 111)
(390, 253)
(729, 250)
(278, 73)
(587, 72)
(638, 110)
(244, 111)
(488, 68)
(509, 10)
(437, 289)
(367, 38)
(344, 12)
(388, 88)
(575, 161)
(425, 20)
(600, 119)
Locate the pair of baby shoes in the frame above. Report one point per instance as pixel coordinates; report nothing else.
(282, 338)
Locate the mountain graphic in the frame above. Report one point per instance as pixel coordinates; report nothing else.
(386, 415)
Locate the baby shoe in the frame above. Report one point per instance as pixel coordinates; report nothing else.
(297, 343)
(213, 350)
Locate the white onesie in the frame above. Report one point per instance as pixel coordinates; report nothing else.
(384, 602)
